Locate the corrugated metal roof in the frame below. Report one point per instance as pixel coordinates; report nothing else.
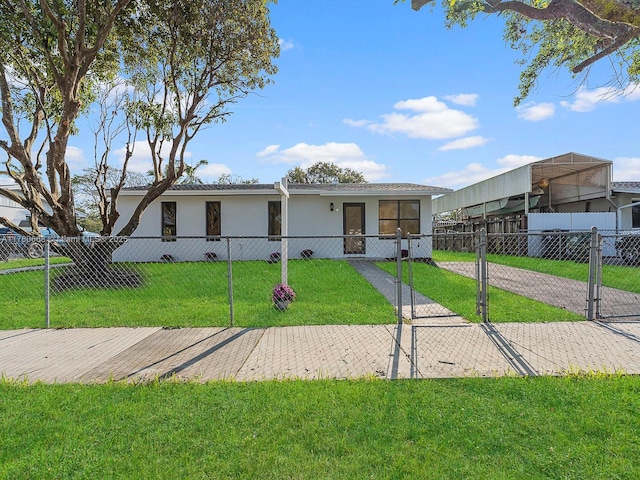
(525, 179)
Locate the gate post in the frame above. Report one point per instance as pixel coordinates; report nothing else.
(593, 267)
(47, 283)
(399, 273)
(230, 281)
(598, 294)
(481, 276)
(412, 292)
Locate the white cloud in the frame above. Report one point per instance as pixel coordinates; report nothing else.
(464, 143)
(344, 155)
(141, 159)
(476, 172)
(285, 44)
(472, 173)
(75, 158)
(626, 169)
(535, 112)
(356, 123)
(466, 99)
(270, 150)
(586, 100)
(425, 104)
(433, 120)
(210, 173)
(514, 161)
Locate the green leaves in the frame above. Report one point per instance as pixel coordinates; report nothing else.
(561, 34)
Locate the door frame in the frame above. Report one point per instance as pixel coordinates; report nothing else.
(350, 243)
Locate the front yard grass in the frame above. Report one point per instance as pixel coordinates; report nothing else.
(572, 427)
(615, 276)
(30, 262)
(195, 295)
(458, 294)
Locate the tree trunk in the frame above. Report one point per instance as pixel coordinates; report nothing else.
(93, 266)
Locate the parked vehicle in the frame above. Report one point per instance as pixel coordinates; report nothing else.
(14, 243)
(31, 247)
(628, 246)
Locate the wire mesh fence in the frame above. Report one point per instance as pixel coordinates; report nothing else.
(477, 304)
(220, 281)
(617, 291)
(199, 281)
(543, 276)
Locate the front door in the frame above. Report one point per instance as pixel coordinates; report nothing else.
(353, 221)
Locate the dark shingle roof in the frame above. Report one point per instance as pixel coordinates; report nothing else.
(311, 188)
(625, 186)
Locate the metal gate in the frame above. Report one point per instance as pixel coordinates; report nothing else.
(420, 268)
(613, 303)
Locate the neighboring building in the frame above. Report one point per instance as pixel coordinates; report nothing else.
(9, 209)
(270, 210)
(577, 186)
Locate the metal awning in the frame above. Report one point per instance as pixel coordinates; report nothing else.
(563, 179)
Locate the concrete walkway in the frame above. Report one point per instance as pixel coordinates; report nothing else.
(423, 309)
(313, 352)
(438, 346)
(560, 292)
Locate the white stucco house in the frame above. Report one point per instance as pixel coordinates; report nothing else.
(202, 215)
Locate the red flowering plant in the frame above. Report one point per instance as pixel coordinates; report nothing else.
(283, 293)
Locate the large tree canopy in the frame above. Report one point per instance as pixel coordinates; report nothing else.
(561, 33)
(183, 63)
(324, 172)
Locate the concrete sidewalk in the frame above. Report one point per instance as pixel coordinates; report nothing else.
(313, 352)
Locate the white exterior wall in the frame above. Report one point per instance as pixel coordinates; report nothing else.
(246, 216)
(624, 214)
(11, 210)
(603, 205)
(576, 222)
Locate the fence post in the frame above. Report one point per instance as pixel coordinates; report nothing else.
(598, 293)
(412, 292)
(399, 273)
(481, 277)
(230, 282)
(593, 261)
(47, 287)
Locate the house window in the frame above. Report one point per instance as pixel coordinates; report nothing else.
(394, 214)
(213, 221)
(169, 230)
(275, 220)
(635, 214)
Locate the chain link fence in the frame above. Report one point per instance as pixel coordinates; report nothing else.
(219, 281)
(563, 275)
(198, 281)
(469, 304)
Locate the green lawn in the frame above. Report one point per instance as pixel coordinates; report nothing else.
(616, 276)
(30, 262)
(458, 294)
(195, 294)
(535, 428)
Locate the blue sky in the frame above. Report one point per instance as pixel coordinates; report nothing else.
(392, 93)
